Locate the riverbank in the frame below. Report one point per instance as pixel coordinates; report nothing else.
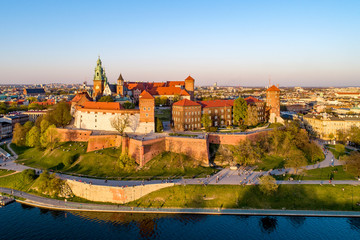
(61, 205)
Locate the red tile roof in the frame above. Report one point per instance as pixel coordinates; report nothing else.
(273, 88)
(168, 91)
(174, 83)
(102, 105)
(84, 96)
(146, 95)
(217, 103)
(252, 100)
(186, 102)
(184, 93)
(189, 78)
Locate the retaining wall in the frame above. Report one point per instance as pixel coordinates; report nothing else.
(69, 135)
(119, 195)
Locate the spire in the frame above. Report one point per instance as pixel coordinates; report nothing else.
(121, 78)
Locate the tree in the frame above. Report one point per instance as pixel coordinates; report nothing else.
(176, 98)
(32, 99)
(352, 162)
(295, 159)
(157, 101)
(240, 110)
(340, 148)
(106, 99)
(354, 135)
(126, 162)
(341, 136)
(33, 137)
(50, 138)
(331, 136)
(164, 100)
(120, 122)
(27, 126)
(252, 118)
(19, 135)
(206, 121)
(128, 105)
(159, 125)
(35, 106)
(268, 185)
(246, 152)
(44, 124)
(59, 115)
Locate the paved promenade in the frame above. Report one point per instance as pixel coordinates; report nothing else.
(53, 204)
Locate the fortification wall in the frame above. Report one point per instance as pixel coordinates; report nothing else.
(193, 147)
(103, 141)
(113, 194)
(233, 139)
(69, 135)
(152, 148)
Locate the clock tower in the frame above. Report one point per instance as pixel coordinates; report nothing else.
(100, 79)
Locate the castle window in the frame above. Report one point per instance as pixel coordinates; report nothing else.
(144, 108)
(149, 109)
(147, 114)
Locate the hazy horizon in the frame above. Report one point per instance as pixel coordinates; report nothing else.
(296, 43)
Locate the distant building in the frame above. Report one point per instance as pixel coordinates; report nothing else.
(5, 128)
(186, 115)
(34, 114)
(170, 89)
(17, 118)
(220, 111)
(33, 91)
(325, 125)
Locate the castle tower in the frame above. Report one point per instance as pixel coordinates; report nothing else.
(147, 112)
(273, 102)
(120, 86)
(99, 79)
(189, 86)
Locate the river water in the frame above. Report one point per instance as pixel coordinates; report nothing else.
(19, 221)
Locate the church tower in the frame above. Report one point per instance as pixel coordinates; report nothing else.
(120, 86)
(100, 79)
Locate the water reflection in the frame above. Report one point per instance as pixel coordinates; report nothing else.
(354, 223)
(297, 221)
(268, 224)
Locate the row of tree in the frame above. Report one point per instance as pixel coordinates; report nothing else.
(43, 133)
(289, 142)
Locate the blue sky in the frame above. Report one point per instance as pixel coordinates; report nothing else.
(297, 43)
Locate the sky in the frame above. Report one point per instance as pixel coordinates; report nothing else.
(233, 43)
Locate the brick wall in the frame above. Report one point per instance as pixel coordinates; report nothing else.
(68, 135)
(232, 139)
(195, 148)
(103, 141)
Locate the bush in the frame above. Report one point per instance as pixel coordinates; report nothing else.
(213, 129)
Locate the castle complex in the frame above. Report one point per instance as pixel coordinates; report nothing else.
(186, 113)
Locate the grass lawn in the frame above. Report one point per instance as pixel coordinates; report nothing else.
(337, 154)
(4, 146)
(72, 158)
(163, 114)
(16, 181)
(57, 159)
(309, 197)
(336, 173)
(4, 172)
(271, 162)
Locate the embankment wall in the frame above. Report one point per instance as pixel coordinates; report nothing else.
(119, 195)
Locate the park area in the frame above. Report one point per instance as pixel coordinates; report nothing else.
(72, 158)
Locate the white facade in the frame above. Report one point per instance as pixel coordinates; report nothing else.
(101, 120)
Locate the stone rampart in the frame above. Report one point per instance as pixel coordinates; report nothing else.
(119, 195)
(103, 141)
(193, 147)
(70, 135)
(233, 139)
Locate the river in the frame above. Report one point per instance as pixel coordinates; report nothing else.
(19, 221)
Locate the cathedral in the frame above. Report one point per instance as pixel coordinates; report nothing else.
(131, 90)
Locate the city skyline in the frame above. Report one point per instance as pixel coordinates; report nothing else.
(234, 44)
